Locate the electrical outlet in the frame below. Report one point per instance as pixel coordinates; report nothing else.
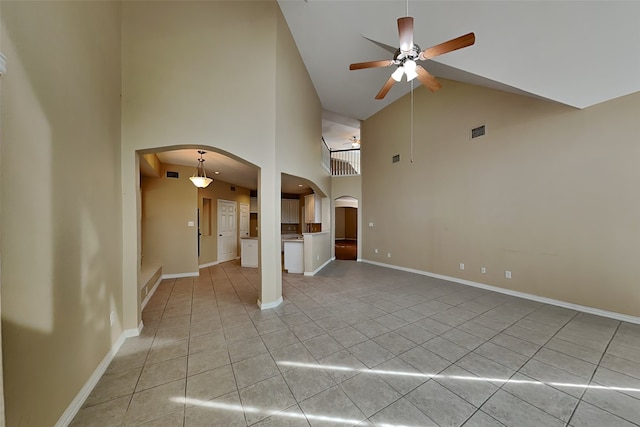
(317, 257)
(375, 251)
(388, 254)
(112, 318)
(462, 266)
(483, 270)
(507, 274)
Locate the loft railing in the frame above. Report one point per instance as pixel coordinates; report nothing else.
(345, 162)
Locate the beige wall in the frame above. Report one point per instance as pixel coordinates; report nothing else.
(61, 198)
(550, 193)
(317, 250)
(169, 204)
(182, 86)
(218, 190)
(298, 116)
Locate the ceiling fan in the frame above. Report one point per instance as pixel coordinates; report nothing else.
(406, 56)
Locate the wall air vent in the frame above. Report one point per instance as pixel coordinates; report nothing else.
(233, 188)
(396, 158)
(478, 132)
(171, 174)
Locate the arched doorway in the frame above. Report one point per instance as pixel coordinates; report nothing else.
(346, 228)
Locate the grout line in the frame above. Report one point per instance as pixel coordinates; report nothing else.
(593, 374)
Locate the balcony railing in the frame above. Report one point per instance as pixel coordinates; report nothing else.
(345, 162)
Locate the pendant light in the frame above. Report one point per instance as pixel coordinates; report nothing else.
(199, 177)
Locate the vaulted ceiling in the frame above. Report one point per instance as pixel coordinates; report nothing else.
(577, 53)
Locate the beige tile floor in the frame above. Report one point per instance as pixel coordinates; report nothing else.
(364, 345)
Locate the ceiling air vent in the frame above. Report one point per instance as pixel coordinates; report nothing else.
(233, 188)
(479, 131)
(171, 174)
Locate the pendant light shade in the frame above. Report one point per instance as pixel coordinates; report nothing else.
(199, 177)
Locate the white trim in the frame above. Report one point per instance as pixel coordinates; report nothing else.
(180, 275)
(87, 388)
(585, 309)
(270, 304)
(313, 273)
(209, 264)
(150, 294)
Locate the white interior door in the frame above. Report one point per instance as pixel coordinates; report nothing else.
(227, 231)
(244, 220)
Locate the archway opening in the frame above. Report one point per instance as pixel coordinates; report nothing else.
(346, 228)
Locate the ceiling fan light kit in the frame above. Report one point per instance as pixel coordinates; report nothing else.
(407, 55)
(199, 178)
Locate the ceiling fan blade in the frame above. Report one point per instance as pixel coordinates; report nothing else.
(405, 32)
(370, 64)
(450, 46)
(385, 88)
(427, 79)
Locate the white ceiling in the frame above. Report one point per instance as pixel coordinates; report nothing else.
(230, 170)
(577, 53)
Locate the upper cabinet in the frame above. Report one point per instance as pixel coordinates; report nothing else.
(253, 205)
(290, 211)
(312, 209)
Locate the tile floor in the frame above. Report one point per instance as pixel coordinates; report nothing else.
(364, 345)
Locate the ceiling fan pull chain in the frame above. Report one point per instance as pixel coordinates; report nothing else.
(411, 156)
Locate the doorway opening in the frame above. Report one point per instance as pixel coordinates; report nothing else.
(346, 228)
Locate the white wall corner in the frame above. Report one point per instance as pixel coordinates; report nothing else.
(150, 294)
(87, 388)
(314, 272)
(269, 305)
(180, 275)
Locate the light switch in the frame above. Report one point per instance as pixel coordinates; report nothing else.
(191, 224)
(370, 224)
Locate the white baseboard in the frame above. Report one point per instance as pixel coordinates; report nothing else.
(313, 273)
(150, 294)
(270, 304)
(87, 388)
(209, 264)
(583, 308)
(181, 275)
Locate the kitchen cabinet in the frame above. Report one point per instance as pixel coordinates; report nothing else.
(294, 256)
(312, 209)
(249, 253)
(253, 205)
(290, 211)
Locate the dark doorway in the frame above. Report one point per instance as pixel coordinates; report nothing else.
(346, 243)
